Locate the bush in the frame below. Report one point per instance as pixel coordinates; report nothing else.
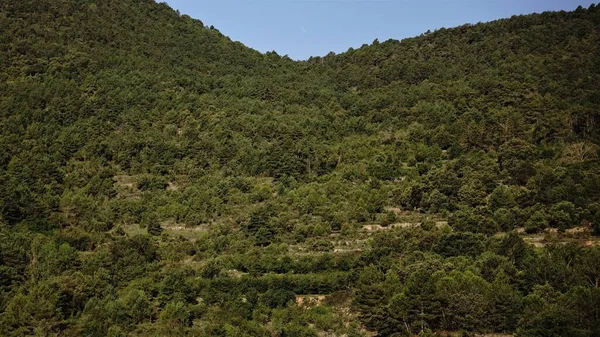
(388, 218)
(466, 221)
(152, 182)
(562, 215)
(175, 314)
(505, 218)
(275, 298)
(536, 223)
(457, 244)
(321, 245)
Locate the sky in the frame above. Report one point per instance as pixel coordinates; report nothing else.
(304, 28)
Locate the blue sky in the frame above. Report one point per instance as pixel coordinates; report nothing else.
(304, 28)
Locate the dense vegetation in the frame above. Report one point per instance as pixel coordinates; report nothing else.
(158, 179)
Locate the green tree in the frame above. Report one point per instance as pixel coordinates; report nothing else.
(536, 223)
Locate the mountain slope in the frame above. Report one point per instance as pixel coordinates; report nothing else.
(160, 179)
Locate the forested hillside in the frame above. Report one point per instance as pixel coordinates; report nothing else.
(159, 179)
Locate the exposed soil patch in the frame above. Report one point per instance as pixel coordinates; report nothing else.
(309, 300)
